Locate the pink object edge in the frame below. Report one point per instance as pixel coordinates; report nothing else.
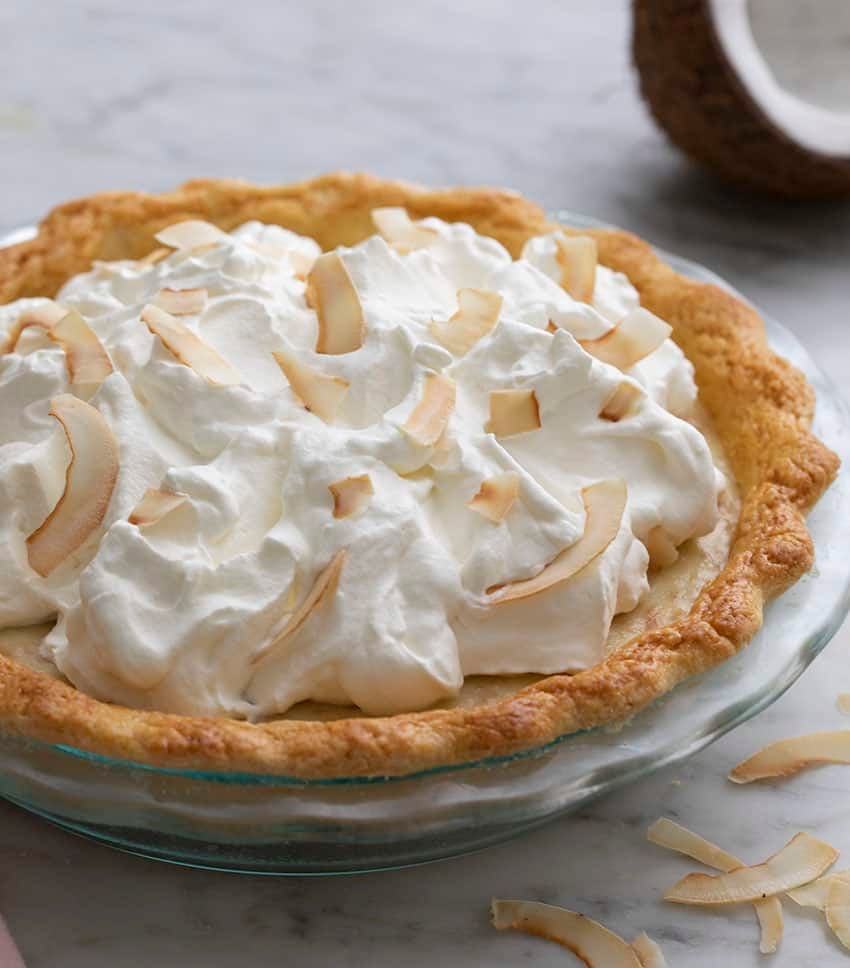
(10, 957)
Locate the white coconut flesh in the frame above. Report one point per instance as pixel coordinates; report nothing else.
(791, 57)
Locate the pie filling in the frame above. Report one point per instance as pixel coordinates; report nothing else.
(242, 474)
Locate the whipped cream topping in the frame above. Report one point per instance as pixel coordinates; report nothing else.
(190, 614)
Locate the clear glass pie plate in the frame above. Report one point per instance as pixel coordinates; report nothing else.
(279, 825)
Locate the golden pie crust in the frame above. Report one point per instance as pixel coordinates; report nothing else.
(760, 407)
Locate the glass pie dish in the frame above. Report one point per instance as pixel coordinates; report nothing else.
(278, 825)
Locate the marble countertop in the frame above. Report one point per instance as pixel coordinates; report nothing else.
(103, 95)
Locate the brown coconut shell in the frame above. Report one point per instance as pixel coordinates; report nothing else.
(699, 100)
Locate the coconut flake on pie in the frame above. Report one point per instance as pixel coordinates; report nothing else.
(42, 317)
(577, 259)
(188, 348)
(604, 504)
(155, 505)
(432, 413)
(323, 589)
(154, 256)
(89, 482)
(402, 233)
(339, 313)
(87, 361)
(321, 394)
(621, 403)
(190, 235)
(351, 495)
(633, 338)
(182, 302)
(496, 496)
(477, 313)
(513, 412)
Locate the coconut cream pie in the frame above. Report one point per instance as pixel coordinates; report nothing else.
(351, 477)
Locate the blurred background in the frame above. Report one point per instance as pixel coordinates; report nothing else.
(541, 97)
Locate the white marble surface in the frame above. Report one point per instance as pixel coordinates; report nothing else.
(539, 96)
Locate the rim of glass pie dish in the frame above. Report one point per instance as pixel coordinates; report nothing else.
(822, 613)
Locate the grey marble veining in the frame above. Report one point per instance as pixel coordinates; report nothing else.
(538, 96)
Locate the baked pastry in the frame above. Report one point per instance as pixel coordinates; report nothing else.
(372, 511)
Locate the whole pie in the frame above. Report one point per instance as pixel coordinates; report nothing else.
(351, 477)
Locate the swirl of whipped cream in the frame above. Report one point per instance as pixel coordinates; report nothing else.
(201, 611)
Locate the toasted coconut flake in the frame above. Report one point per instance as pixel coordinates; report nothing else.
(107, 266)
(788, 756)
(513, 412)
(496, 496)
(478, 312)
(816, 893)
(301, 263)
(662, 551)
(182, 302)
(577, 258)
(154, 506)
(330, 291)
(154, 256)
(621, 403)
(801, 860)
(588, 940)
(771, 924)
(267, 251)
(430, 417)
(638, 334)
(351, 495)
(87, 361)
(44, 317)
(191, 234)
(396, 227)
(188, 348)
(444, 446)
(667, 833)
(843, 703)
(648, 952)
(89, 483)
(201, 249)
(323, 588)
(838, 910)
(604, 504)
(320, 393)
